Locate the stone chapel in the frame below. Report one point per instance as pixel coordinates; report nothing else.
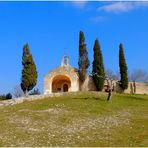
(65, 78)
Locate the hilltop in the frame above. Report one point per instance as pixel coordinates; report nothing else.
(76, 119)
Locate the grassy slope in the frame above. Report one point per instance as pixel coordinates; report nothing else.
(83, 119)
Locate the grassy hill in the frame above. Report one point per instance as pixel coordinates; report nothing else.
(77, 119)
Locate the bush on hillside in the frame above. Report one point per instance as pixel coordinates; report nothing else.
(35, 92)
(2, 97)
(6, 97)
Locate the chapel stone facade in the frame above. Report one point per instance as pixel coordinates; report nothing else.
(62, 79)
(65, 78)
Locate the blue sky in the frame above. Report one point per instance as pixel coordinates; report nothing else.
(52, 29)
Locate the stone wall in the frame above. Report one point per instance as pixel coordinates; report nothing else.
(141, 88)
(29, 98)
(88, 84)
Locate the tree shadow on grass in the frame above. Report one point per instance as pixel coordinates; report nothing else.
(91, 98)
(137, 98)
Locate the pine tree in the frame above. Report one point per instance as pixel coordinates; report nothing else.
(98, 67)
(83, 57)
(29, 72)
(123, 68)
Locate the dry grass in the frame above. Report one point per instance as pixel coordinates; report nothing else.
(79, 119)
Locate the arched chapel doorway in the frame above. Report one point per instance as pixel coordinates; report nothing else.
(65, 88)
(61, 83)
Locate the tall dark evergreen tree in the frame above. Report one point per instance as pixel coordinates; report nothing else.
(98, 67)
(29, 72)
(123, 68)
(83, 57)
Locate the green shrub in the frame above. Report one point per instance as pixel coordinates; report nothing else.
(8, 96)
(2, 97)
(35, 92)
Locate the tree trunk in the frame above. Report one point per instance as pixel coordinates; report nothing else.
(134, 84)
(110, 90)
(109, 95)
(26, 93)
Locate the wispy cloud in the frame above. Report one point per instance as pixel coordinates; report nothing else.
(97, 19)
(78, 4)
(118, 7)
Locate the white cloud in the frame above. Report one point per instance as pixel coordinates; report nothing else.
(118, 7)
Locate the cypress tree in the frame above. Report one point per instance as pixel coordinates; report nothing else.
(29, 72)
(123, 68)
(98, 67)
(83, 57)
